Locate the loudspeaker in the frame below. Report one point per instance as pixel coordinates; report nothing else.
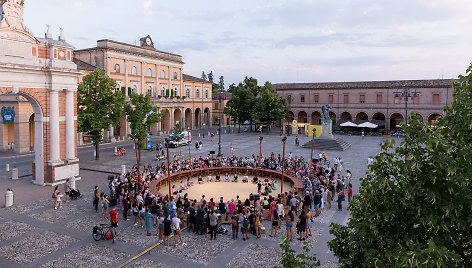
(254, 197)
(212, 152)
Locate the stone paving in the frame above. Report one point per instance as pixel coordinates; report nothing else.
(33, 234)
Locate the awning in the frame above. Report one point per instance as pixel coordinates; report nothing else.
(368, 125)
(348, 124)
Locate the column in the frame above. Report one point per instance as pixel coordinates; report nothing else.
(112, 133)
(210, 117)
(143, 89)
(54, 140)
(70, 125)
(182, 120)
(171, 120)
(126, 78)
(192, 118)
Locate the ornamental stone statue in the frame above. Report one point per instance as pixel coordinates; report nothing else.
(325, 109)
(11, 16)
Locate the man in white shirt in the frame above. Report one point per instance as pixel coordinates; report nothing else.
(176, 229)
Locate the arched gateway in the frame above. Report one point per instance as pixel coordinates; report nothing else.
(41, 71)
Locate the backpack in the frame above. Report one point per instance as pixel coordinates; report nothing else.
(54, 195)
(234, 223)
(245, 222)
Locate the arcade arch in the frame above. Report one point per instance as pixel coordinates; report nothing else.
(315, 118)
(290, 117)
(206, 115)
(362, 116)
(177, 117)
(395, 120)
(302, 117)
(346, 116)
(198, 118)
(433, 118)
(166, 124)
(188, 118)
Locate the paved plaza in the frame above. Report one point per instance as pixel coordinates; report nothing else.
(33, 234)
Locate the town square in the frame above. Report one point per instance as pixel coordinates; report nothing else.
(144, 147)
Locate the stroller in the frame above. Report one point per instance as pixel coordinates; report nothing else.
(74, 194)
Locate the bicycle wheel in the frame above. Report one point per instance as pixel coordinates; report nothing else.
(97, 236)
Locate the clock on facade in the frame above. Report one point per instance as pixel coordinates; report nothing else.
(148, 41)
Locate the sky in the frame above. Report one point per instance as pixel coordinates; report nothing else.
(279, 40)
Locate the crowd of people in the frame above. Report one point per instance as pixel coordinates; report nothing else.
(322, 183)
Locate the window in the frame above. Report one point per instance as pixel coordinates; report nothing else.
(149, 72)
(416, 99)
(149, 90)
(436, 98)
(289, 99)
(163, 74)
(302, 98)
(206, 93)
(330, 98)
(176, 76)
(134, 89)
(379, 98)
(216, 106)
(317, 98)
(117, 87)
(346, 98)
(197, 92)
(187, 92)
(163, 91)
(175, 91)
(117, 68)
(134, 70)
(362, 98)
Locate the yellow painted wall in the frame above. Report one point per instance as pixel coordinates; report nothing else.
(318, 130)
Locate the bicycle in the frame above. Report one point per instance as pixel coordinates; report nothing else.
(99, 234)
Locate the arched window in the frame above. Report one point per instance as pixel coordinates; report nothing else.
(149, 90)
(176, 76)
(197, 92)
(175, 91)
(187, 92)
(118, 87)
(163, 74)
(134, 89)
(163, 91)
(134, 70)
(117, 68)
(149, 73)
(206, 93)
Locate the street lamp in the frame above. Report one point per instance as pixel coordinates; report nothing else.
(284, 139)
(312, 144)
(168, 166)
(405, 94)
(219, 125)
(260, 143)
(137, 159)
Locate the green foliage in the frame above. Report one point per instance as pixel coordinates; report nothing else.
(292, 260)
(270, 107)
(142, 114)
(414, 205)
(204, 76)
(221, 84)
(98, 106)
(242, 104)
(210, 77)
(177, 133)
(231, 88)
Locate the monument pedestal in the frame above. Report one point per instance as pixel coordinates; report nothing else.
(327, 130)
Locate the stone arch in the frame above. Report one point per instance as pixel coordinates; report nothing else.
(206, 116)
(332, 116)
(166, 124)
(290, 117)
(302, 117)
(379, 119)
(315, 118)
(197, 123)
(31, 132)
(362, 116)
(188, 118)
(177, 117)
(395, 120)
(433, 118)
(346, 116)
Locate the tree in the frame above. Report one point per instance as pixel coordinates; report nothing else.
(177, 134)
(210, 77)
(270, 107)
(204, 76)
(98, 106)
(142, 114)
(291, 260)
(414, 205)
(221, 84)
(241, 106)
(231, 88)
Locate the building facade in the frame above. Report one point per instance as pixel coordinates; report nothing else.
(38, 93)
(220, 100)
(145, 70)
(380, 102)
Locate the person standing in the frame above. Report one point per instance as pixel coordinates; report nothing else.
(289, 224)
(297, 142)
(96, 198)
(114, 220)
(67, 190)
(126, 205)
(340, 200)
(148, 222)
(167, 228)
(176, 229)
(232, 149)
(235, 226)
(213, 224)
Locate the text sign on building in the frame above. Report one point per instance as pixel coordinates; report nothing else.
(8, 114)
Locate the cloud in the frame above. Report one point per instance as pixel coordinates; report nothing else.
(147, 4)
(78, 5)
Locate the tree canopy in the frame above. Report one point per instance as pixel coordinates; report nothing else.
(98, 106)
(414, 205)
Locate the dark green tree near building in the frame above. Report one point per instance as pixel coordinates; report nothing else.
(414, 206)
(178, 135)
(210, 77)
(204, 76)
(141, 114)
(270, 107)
(241, 106)
(221, 84)
(231, 88)
(98, 106)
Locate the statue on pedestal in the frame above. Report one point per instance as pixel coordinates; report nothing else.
(325, 110)
(12, 16)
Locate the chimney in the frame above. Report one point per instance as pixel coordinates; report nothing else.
(62, 37)
(48, 34)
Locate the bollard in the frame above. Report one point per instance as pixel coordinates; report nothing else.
(14, 173)
(225, 131)
(116, 150)
(123, 169)
(7, 168)
(72, 182)
(199, 135)
(94, 153)
(8, 198)
(208, 134)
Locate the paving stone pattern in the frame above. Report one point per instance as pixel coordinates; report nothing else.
(11, 229)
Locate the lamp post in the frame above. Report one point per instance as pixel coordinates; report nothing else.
(137, 159)
(284, 139)
(260, 143)
(219, 125)
(406, 95)
(168, 165)
(312, 144)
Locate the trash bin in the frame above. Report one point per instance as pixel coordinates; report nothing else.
(8, 198)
